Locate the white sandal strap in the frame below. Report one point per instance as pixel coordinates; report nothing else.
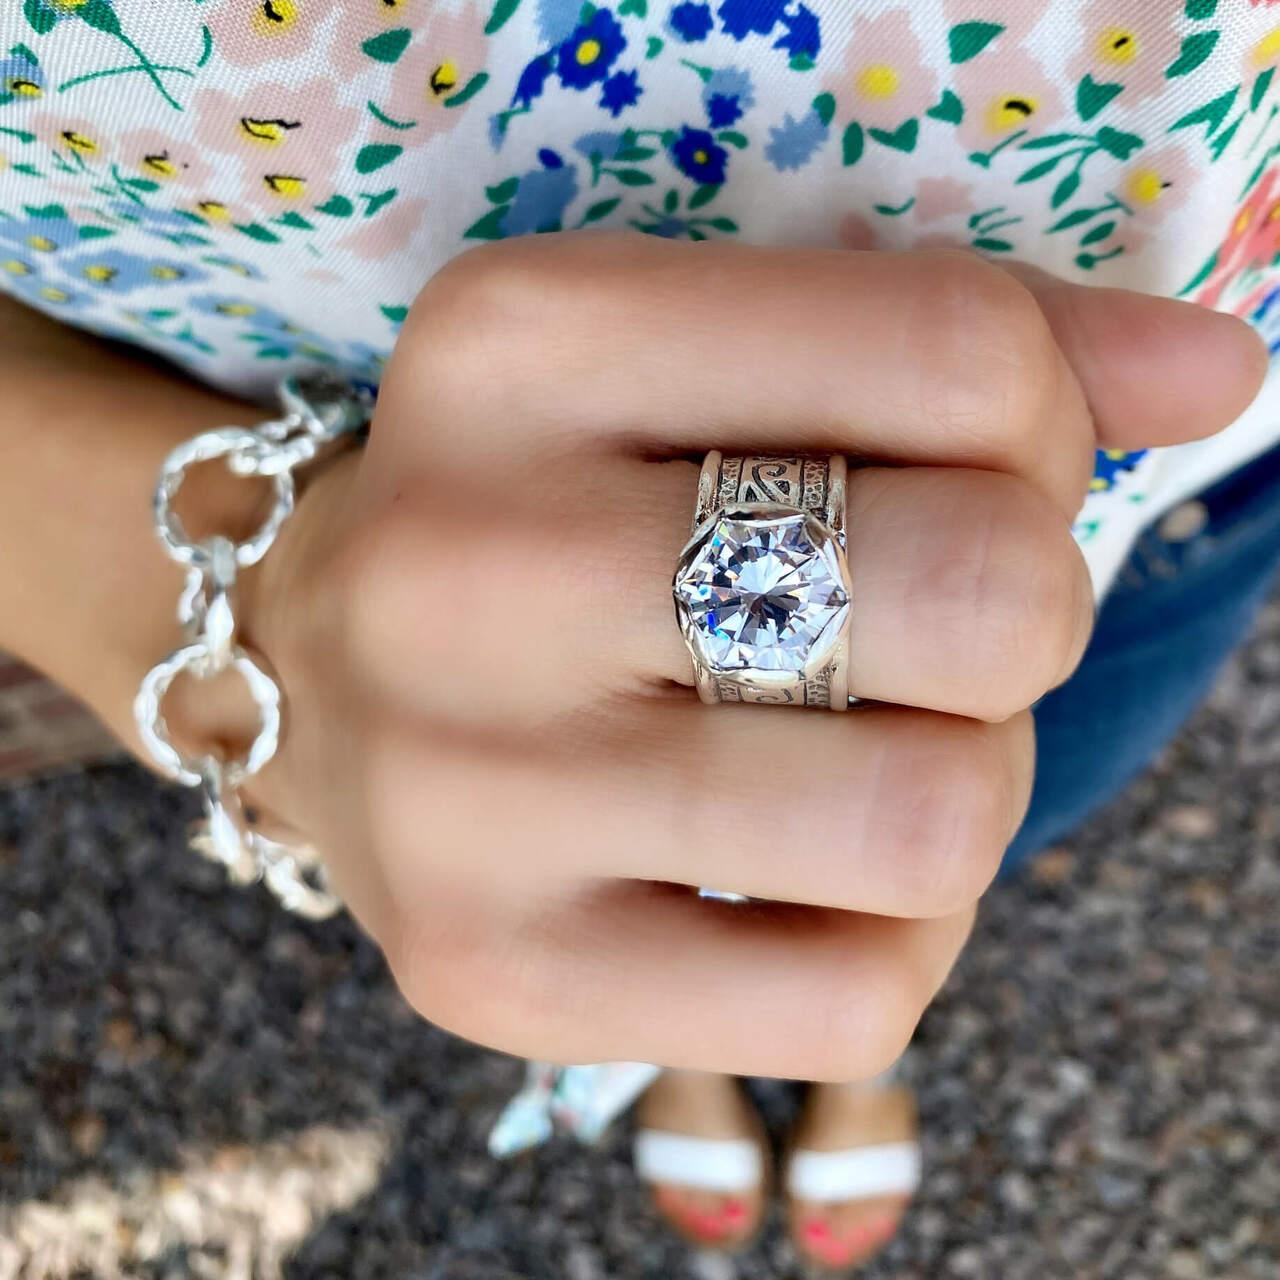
(854, 1174)
(705, 1164)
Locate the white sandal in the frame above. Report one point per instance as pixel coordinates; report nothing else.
(731, 1167)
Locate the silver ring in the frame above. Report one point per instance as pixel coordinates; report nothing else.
(762, 590)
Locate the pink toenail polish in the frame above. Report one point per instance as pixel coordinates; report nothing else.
(735, 1212)
(816, 1230)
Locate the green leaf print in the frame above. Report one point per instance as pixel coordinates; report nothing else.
(968, 39)
(1092, 97)
(824, 107)
(1200, 276)
(705, 194)
(336, 207)
(639, 8)
(1119, 144)
(40, 19)
(950, 110)
(501, 15)
(388, 46)
(653, 47)
(631, 177)
(1066, 189)
(502, 192)
(97, 13)
(1100, 232)
(489, 227)
(372, 203)
(376, 155)
(255, 231)
(991, 244)
(1199, 10)
(1211, 113)
(601, 209)
(1195, 49)
(853, 144)
(1260, 87)
(903, 138)
(468, 90)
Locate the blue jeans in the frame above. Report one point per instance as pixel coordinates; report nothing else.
(1172, 618)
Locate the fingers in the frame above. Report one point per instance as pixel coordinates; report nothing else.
(1154, 371)
(645, 973)
(889, 810)
(934, 358)
(969, 594)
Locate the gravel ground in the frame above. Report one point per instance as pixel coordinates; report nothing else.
(191, 1084)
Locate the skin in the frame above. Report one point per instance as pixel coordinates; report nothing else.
(515, 820)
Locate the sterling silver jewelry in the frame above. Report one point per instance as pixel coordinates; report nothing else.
(319, 415)
(762, 589)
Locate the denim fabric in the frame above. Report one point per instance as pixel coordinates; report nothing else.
(1172, 618)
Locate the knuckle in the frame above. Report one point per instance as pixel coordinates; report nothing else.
(862, 1036)
(989, 358)
(953, 815)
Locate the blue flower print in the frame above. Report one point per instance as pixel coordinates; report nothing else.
(602, 144)
(1111, 464)
(802, 39)
(556, 19)
(793, 143)
(741, 18)
(620, 91)
(40, 235)
(690, 22)
(697, 155)
(20, 78)
(117, 272)
(586, 56)
(533, 79)
(727, 95)
(50, 296)
(542, 197)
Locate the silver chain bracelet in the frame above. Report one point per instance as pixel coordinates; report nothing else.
(317, 414)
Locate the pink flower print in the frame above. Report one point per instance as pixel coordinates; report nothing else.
(1018, 17)
(441, 61)
(1128, 42)
(1253, 241)
(1157, 183)
(73, 137)
(387, 235)
(1005, 94)
(247, 33)
(287, 139)
(164, 160)
(882, 80)
(938, 198)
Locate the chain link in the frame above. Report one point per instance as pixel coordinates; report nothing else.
(318, 413)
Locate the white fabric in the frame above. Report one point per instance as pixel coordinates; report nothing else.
(857, 1173)
(705, 1164)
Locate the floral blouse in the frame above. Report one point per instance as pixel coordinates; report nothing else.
(260, 187)
(256, 187)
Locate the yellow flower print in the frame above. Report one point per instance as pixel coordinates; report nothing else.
(879, 81)
(274, 17)
(160, 165)
(269, 133)
(1266, 53)
(285, 186)
(1145, 186)
(1010, 111)
(41, 244)
(1157, 183)
(80, 143)
(444, 79)
(16, 267)
(1118, 46)
(18, 86)
(214, 210)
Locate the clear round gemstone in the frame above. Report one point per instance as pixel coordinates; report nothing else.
(763, 593)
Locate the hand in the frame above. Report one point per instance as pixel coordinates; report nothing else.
(494, 742)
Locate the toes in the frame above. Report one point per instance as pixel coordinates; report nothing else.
(710, 1219)
(845, 1235)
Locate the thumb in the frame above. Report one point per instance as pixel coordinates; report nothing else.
(1155, 371)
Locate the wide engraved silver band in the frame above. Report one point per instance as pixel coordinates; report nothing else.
(817, 486)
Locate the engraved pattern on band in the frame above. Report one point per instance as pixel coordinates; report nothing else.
(817, 486)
